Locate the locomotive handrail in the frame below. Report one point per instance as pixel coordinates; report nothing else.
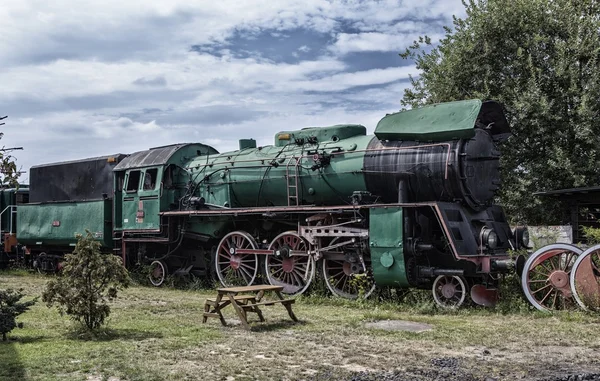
(13, 209)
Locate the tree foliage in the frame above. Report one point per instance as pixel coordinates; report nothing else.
(9, 174)
(11, 307)
(541, 60)
(89, 280)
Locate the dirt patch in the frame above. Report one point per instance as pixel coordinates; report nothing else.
(399, 325)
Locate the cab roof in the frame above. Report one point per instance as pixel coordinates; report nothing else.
(163, 155)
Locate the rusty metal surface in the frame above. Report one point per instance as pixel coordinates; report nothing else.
(585, 279)
(545, 278)
(487, 297)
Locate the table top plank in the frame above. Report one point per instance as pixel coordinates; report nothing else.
(254, 288)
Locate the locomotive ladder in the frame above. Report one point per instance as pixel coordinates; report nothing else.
(293, 182)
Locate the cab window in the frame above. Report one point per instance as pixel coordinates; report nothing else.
(133, 181)
(120, 181)
(150, 179)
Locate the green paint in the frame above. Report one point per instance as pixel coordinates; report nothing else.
(138, 204)
(141, 202)
(8, 197)
(387, 260)
(385, 241)
(258, 177)
(438, 122)
(209, 226)
(59, 223)
(322, 134)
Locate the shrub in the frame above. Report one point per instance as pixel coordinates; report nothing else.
(89, 280)
(592, 235)
(10, 308)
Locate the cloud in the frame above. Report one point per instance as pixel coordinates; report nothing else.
(156, 81)
(344, 81)
(88, 78)
(376, 42)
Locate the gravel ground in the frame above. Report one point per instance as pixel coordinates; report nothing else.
(445, 375)
(444, 369)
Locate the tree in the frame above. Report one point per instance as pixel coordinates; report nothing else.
(89, 280)
(10, 308)
(541, 60)
(9, 174)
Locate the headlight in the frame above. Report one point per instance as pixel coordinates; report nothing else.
(489, 238)
(525, 238)
(521, 234)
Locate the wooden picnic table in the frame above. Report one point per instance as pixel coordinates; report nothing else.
(245, 299)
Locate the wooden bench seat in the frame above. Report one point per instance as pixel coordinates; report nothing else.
(268, 303)
(237, 297)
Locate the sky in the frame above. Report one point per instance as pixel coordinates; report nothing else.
(89, 78)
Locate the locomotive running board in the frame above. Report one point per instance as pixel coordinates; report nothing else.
(289, 209)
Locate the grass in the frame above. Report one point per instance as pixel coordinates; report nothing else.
(157, 334)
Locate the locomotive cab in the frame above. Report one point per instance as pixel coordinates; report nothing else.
(150, 182)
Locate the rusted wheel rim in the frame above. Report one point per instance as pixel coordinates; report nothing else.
(343, 281)
(158, 273)
(585, 279)
(449, 292)
(294, 272)
(236, 269)
(545, 278)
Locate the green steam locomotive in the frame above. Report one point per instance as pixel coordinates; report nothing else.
(410, 206)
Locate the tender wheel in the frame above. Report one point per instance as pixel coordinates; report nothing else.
(345, 274)
(585, 279)
(545, 278)
(158, 273)
(449, 292)
(236, 269)
(45, 264)
(294, 272)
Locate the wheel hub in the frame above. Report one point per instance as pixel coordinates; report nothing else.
(348, 268)
(288, 264)
(235, 261)
(559, 279)
(448, 290)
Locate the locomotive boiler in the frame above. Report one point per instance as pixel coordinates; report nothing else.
(410, 206)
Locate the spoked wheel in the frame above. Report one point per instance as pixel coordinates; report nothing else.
(45, 264)
(449, 292)
(158, 273)
(545, 278)
(585, 279)
(235, 269)
(345, 274)
(294, 272)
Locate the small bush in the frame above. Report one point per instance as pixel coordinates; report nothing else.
(512, 299)
(592, 235)
(10, 308)
(88, 281)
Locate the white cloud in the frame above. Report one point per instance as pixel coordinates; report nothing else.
(339, 82)
(376, 42)
(91, 77)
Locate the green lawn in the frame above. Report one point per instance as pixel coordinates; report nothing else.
(157, 334)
